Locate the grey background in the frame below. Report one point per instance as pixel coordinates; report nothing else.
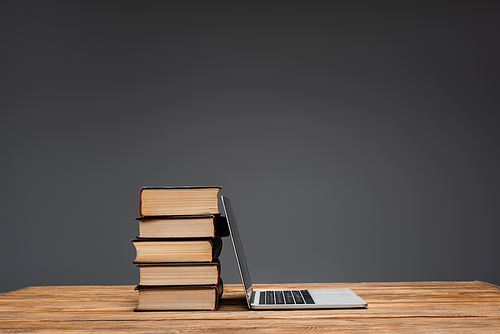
(358, 141)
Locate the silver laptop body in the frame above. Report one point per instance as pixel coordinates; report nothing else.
(284, 299)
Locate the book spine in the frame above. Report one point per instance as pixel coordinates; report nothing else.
(221, 227)
(219, 291)
(216, 248)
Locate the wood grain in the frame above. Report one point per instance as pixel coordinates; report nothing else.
(398, 307)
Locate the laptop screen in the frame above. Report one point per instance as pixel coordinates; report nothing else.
(238, 247)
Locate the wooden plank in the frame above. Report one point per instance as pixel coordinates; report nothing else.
(341, 325)
(393, 307)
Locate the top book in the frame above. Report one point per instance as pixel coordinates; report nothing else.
(188, 200)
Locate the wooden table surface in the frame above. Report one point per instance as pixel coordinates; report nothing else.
(424, 307)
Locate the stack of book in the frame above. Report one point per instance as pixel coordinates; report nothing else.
(178, 247)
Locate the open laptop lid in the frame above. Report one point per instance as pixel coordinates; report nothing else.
(324, 298)
(238, 248)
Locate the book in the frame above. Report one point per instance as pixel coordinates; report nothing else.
(187, 200)
(166, 298)
(190, 273)
(183, 226)
(177, 250)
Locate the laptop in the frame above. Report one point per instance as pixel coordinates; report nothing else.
(284, 299)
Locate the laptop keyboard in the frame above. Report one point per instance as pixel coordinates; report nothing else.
(281, 297)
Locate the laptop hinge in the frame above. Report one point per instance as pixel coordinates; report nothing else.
(252, 296)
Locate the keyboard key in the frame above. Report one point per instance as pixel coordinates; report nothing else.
(279, 297)
(298, 297)
(270, 298)
(262, 299)
(307, 297)
(288, 297)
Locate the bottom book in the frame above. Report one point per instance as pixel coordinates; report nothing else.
(182, 297)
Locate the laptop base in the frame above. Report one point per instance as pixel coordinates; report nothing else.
(320, 299)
